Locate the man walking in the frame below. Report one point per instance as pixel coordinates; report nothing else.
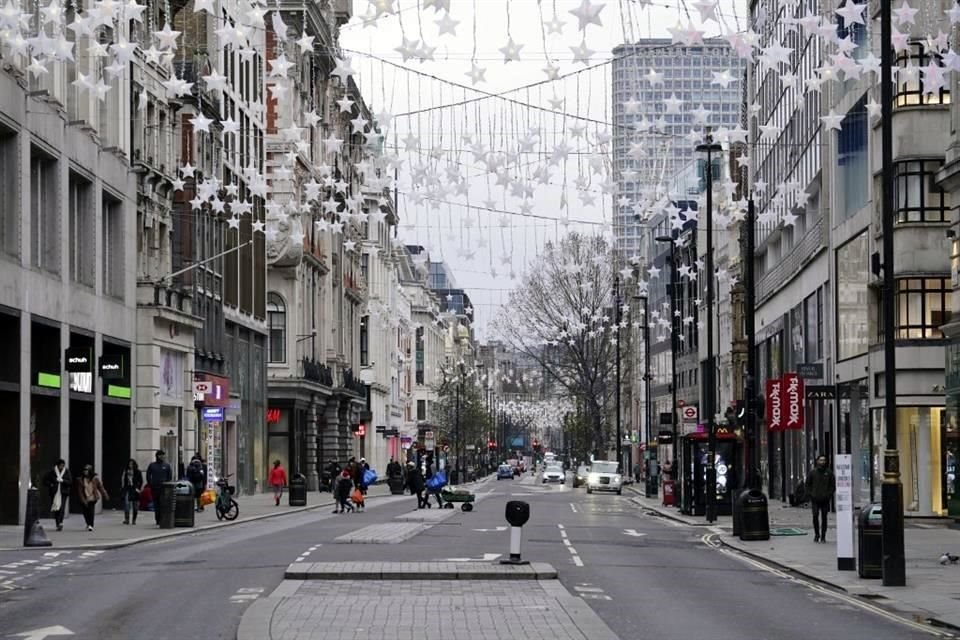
(158, 472)
(821, 485)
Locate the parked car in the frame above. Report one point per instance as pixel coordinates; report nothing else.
(554, 473)
(580, 477)
(604, 476)
(504, 471)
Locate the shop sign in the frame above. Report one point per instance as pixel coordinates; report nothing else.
(820, 392)
(111, 366)
(812, 370)
(774, 404)
(79, 359)
(690, 413)
(213, 414)
(793, 401)
(273, 415)
(429, 441)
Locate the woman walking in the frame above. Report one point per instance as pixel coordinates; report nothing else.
(91, 490)
(342, 492)
(416, 483)
(277, 480)
(58, 482)
(130, 486)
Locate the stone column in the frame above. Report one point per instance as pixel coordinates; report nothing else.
(313, 475)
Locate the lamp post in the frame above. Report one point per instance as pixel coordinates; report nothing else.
(891, 491)
(754, 481)
(708, 387)
(616, 316)
(674, 346)
(648, 409)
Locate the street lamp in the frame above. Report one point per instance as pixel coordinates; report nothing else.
(649, 489)
(458, 443)
(616, 315)
(709, 388)
(674, 346)
(891, 491)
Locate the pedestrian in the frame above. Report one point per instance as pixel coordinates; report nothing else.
(821, 486)
(416, 484)
(197, 475)
(341, 492)
(131, 483)
(277, 480)
(362, 469)
(58, 482)
(158, 472)
(431, 491)
(91, 490)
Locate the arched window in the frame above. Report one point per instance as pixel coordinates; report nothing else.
(277, 326)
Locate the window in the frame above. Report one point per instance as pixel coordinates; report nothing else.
(113, 246)
(365, 267)
(916, 194)
(421, 409)
(419, 364)
(852, 160)
(82, 227)
(365, 341)
(10, 202)
(909, 90)
(277, 328)
(923, 306)
(44, 210)
(853, 276)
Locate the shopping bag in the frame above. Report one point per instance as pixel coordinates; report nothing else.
(357, 496)
(369, 477)
(208, 497)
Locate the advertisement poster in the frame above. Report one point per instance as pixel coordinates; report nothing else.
(214, 444)
(843, 470)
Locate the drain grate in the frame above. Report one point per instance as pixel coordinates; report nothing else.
(873, 596)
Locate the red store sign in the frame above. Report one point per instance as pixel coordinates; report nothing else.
(774, 404)
(793, 398)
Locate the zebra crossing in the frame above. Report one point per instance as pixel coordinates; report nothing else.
(14, 574)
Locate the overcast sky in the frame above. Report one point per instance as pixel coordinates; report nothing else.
(460, 227)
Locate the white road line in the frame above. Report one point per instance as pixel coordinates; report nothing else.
(573, 508)
(589, 589)
(577, 561)
(560, 526)
(572, 550)
(563, 534)
(566, 541)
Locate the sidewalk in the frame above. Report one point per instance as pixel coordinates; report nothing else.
(932, 589)
(424, 601)
(111, 533)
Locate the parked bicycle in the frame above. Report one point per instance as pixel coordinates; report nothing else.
(225, 506)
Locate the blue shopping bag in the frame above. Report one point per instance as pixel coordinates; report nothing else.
(369, 477)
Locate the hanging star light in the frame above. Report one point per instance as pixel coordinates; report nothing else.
(476, 74)
(588, 13)
(511, 51)
(582, 54)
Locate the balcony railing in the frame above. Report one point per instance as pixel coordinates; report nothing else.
(789, 265)
(317, 372)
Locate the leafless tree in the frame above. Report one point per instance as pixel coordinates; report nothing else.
(563, 316)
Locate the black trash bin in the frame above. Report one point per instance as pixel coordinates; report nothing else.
(185, 505)
(870, 542)
(298, 490)
(167, 500)
(754, 520)
(396, 484)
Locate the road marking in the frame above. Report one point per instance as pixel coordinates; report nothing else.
(563, 534)
(560, 526)
(487, 557)
(571, 550)
(488, 530)
(584, 590)
(708, 540)
(573, 508)
(633, 532)
(589, 589)
(577, 561)
(246, 594)
(566, 542)
(40, 634)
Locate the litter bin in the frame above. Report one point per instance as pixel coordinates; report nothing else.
(395, 483)
(870, 542)
(754, 520)
(185, 505)
(668, 497)
(298, 490)
(166, 501)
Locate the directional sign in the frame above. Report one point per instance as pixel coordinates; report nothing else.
(46, 632)
(633, 533)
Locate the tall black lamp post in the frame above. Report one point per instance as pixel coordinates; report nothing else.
(891, 491)
(650, 488)
(709, 387)
(616, 316)
(674, 347)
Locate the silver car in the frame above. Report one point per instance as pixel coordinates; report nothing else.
(554, 473)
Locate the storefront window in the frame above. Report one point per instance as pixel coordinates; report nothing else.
(910, 90)
(853, 274)
(925, 458)
(923, 306)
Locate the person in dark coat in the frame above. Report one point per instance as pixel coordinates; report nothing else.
(131, 483)
(158, 472)
(341, 492)
(432, 492)
(197, 476)
(58, 482)
(821, 485)
(416, 484)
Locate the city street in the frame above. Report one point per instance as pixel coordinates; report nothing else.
(645, 576)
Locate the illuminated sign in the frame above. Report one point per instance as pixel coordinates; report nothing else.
(273, 416)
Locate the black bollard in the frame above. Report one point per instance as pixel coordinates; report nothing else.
(33, 533)
(517, 514)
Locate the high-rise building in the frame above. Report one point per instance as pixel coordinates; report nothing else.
(661, 94)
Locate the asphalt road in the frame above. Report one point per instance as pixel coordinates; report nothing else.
(646, 577)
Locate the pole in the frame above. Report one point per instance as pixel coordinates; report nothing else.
(456, 443)
(891, 492)
(750, 401)
(646, 392)
(674, 346)
(616, 315)
(708, 387)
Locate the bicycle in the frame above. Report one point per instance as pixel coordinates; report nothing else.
(225, 506)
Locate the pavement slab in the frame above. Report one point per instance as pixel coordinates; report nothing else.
(423, 609)
(418, 571)
(390, 533)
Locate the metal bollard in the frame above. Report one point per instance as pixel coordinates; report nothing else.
(33, 533)
(517, 514)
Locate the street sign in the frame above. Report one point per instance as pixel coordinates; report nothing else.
(471, 447)
(690, 414)
(202, 386)
(843, 473)
(820, 392)
(213, 414)
(429, 443)
(812, 370)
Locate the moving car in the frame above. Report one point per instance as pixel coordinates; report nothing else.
(504, 471)
(604, 476)
(580, 478)
(554, 473)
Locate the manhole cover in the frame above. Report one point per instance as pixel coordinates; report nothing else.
(788, 531)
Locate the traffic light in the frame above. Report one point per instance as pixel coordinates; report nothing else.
(361, 430)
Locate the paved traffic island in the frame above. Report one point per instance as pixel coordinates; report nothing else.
(422, 600)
